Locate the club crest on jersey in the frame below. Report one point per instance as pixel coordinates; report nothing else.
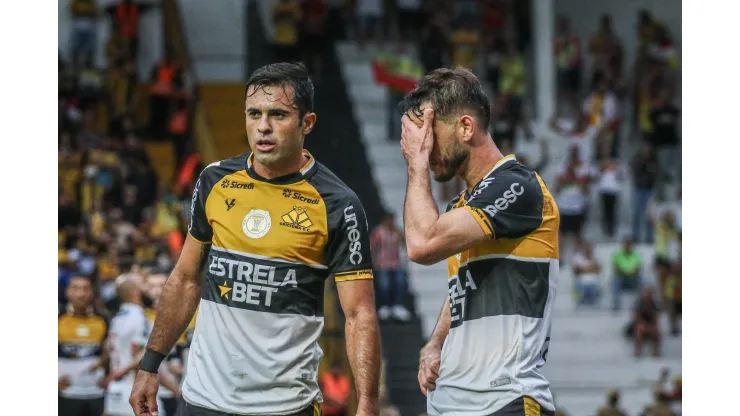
(257, 223)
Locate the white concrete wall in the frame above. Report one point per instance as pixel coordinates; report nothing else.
(216, 38)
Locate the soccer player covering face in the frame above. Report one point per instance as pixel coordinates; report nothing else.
(500, 239)
(269, 227)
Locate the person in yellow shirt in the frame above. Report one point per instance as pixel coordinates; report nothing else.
(286, 16)
(512, 81)
(466, 45)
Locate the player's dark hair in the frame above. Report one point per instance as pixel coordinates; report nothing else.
(285, 74)
(451, 92)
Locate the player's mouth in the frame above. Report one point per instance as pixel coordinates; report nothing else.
(265, 145)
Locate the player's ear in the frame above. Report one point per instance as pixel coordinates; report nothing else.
(309, 120)
(466, 127)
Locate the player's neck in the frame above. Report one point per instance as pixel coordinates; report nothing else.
(481, 160)
(270, 172)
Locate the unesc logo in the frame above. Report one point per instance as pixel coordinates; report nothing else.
(353, 234)
(507, 199)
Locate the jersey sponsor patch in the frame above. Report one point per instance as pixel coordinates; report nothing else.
(256, 223)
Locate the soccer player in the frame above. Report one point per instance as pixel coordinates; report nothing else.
(82, 333)
(127, 337)
(270, 227)
(500, 239)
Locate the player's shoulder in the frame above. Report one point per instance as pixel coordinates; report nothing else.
(217, 170)
(508, 181)
(331, 189)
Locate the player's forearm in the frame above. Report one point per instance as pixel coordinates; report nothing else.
(176, 306)
(363, 351)
(420, 211)
(442, 328)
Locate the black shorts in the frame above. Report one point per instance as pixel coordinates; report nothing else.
(81, 407)
(523, 406)
(572, 223)
(187, 409)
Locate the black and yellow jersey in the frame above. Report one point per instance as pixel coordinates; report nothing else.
(501, 294)
(80, 344)
(274, 242)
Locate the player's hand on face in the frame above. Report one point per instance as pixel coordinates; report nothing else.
(429, 360)
(417, 142)
(143, 397)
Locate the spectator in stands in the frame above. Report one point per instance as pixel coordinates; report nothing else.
(335, 387)
(493, 56)
(581, 135)
(644, 170)
(503, 125)
(513, 81)
(610, 182)
(386, 243)
(435, 47)
(313, 39)
(286, 17)
(567, 49)
(606, 52)
(167, 78)
(672, 299)
(465, 42)
(84, 23)
(370, 21)
(178, 129)
(664, 119)
(494, 17)
(602, 109)
(627, 266)
(587, 273)
(660, 406)
(572, 192)
(121, 86)
(410, 19)
(646, 322)
(126, 17)
(612, 405)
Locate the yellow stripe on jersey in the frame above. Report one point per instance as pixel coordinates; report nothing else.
(202, 242)
(283, 221)
(354, 275)
(482, 220)
(531, 407)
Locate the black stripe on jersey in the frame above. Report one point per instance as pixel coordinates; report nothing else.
(499, 286)
(263, 285)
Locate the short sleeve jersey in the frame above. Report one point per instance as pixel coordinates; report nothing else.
(274, 243)
(501, 294)
(81, 340)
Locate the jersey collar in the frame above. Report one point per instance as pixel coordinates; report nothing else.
(501, 162)
(71, 311)
(308, 168)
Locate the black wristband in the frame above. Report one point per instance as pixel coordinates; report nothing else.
(151, 361)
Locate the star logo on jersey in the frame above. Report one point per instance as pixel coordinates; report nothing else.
(297, 218)
(224, 290)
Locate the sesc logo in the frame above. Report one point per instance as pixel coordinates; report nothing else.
(353, 234)
(507, 199)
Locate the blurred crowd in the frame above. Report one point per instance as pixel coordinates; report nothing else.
(115, 214)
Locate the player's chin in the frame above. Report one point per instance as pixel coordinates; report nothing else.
(442, 175)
